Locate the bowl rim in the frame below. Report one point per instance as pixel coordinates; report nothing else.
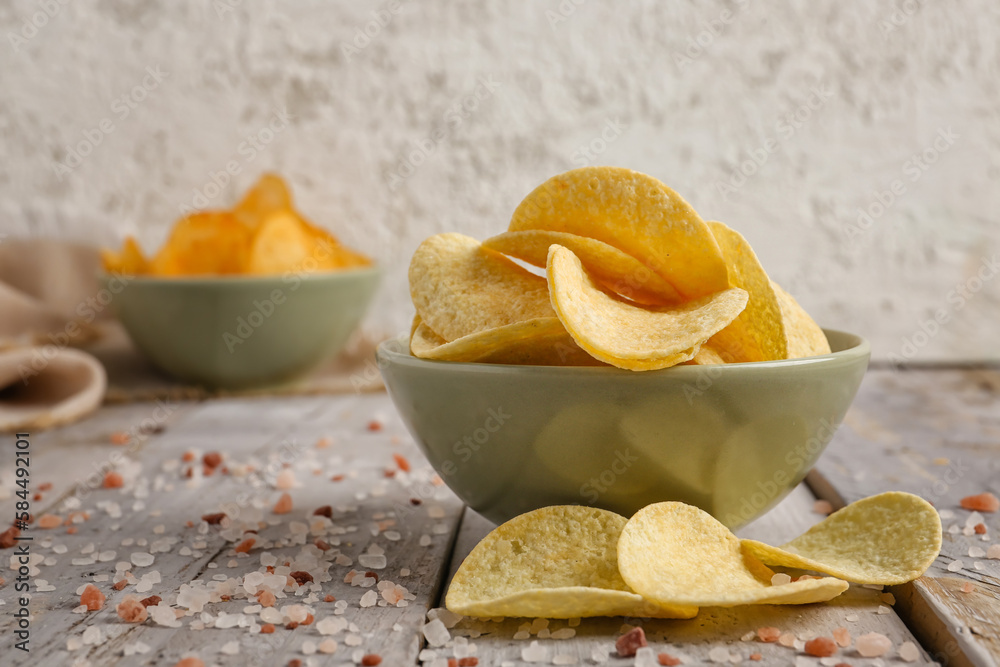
(238, 279)
(860, 348)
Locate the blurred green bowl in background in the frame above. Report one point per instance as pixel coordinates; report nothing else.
(242, 332)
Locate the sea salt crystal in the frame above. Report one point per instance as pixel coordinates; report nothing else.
(993, 552)
(780, 579)
(425, 540)
(271, 615)
(74, 643)
(908, 652)
(872, 645)
(92, 636)
(372, 561)
(563, 633)
(163, 615)
(534, 652)
(369, 599)
(719, 654)
(308, 647)
(137, 648)
(331, 625)
(142, 559)
(645, 657)
(449, 618)
(566, 659)
(353, 640)
(230, 648)
(882, 609)
(521, 635)
(599, 654)
(106, 556)
(976, 552)
(327, 646)
(436, 633)
(225, 620)
(538, 625)
(955, 565)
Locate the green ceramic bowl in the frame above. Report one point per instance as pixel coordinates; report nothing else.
(242, 332)
(733, 439)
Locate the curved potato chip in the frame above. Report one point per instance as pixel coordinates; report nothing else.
(329, 252)
(269, 195)
(630, 336)
(460, 288)
(672, 553)
(805, 337)
(206, 243)
(889, 539)
(541, 341)
(281, 244)
(130, 261)
(708, 356)
(553, 562)
(635, 213)
(757, 333)
(618, 271)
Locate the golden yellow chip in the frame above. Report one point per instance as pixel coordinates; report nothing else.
(460, 288)
(538, 342)
(757, 334)
(281, 244)
(269, 195)
(554, 562)
(617, 271)
(805, 337)
(330, 254)
(629, 336)
(676, 554)
(635, 213)
(889, 539)
(708, 355)
(210, 242)
(130, 261)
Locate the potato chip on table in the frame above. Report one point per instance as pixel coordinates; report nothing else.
(888, 539)
(554, 562)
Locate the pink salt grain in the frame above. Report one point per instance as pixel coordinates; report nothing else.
(821, 647)
(284, 504)
(768, 634)
(285, 480)
(92, 597)
(983, 502)
(131, 610)
(630, 642)
(49, 521)
(873, 644)
(190, 662)
(668, 660)
(787, 640)
(842, 636)
(823, 507)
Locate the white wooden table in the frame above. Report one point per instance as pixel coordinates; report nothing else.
(935, 432)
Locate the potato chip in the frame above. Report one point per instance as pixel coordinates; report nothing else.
(269, 195)
(617, 271)
(460, 288)
(630, 336)
(635, 213)
(708, 355)
(282, 244)
(554, 562)
(206, 243)
(130, 261)
(889, 539)
(330, 254)
(541, 341)
(676, 554)
(805, 338)
(757, 333)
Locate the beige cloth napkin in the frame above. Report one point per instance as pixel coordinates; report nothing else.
(49, 304)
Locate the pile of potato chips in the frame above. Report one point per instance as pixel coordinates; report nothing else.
(262, 235)
(634, 279)
(670, 559)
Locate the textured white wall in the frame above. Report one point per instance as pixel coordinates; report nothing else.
(684, 91)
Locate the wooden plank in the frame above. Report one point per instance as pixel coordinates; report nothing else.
(936, 433)
(713, 627)
(267, 434)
